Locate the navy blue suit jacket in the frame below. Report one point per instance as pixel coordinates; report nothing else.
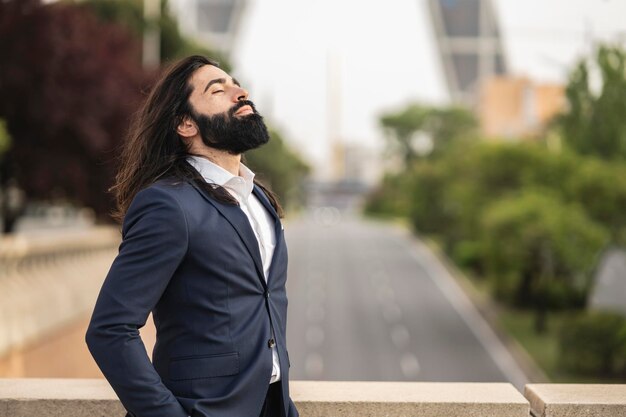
(195, 264)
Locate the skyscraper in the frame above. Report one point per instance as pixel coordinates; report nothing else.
(214, 22)
(469, 44)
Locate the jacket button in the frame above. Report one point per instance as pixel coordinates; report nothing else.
(271, 343)
(267, 294)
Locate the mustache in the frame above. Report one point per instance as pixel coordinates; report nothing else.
(241, 104)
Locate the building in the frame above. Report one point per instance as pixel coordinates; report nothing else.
(211, 22)
(469, 44)
(516, 107)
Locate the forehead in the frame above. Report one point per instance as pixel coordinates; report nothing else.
(203, 75)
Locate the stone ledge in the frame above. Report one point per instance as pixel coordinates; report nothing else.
(94, 397)
(58, 397)
(576, 400)
(407, 399)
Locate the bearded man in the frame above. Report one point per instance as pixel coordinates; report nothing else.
(203, 250)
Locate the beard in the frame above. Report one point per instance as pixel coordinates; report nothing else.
(231, 133)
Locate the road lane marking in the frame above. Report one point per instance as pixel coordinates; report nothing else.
(400, 336)
(314, 365)
(392, 313)
(409, 365)
(315, 313)
(314, 336)
(316, 295)
(385, 294)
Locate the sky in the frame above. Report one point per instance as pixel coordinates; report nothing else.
(326, 69)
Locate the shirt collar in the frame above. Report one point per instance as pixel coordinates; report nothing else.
(241, 185)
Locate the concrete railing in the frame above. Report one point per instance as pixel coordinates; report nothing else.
(49, 280)
(94, 397)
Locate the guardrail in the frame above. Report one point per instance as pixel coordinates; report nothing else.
(47, 281)
(94, 397)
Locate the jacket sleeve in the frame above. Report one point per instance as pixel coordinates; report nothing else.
(154, 242)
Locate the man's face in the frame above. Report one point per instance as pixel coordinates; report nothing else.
(225, 119)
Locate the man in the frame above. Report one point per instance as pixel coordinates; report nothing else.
(203, 250)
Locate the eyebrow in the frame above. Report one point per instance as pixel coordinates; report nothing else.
(219, 81)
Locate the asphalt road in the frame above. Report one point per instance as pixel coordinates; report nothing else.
(367, 301)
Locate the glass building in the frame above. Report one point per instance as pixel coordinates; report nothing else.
(469, 43)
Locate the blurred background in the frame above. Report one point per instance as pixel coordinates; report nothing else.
(453, 171)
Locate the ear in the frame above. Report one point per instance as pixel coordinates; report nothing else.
(187, 128)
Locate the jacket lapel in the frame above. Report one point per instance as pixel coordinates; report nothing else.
(268, 206)
(265, 201)
(237, 218)
(277, 224)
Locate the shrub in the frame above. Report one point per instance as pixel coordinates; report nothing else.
(594, 344)
(600, 187)
(392, 198)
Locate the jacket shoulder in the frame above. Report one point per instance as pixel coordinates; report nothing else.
(168, 189)
(162, 198)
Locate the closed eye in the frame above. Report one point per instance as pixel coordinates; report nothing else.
(217, 91)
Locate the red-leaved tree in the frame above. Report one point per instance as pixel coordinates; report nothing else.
(68, 86)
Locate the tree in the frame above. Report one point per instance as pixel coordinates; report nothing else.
(11, 197)
(442, 126)
(594, 124)
(68, 84)
(173, 44)
(540, 251)
(279, 167)
(600, 188)
(5, 138)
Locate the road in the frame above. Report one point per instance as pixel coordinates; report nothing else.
(367, 301)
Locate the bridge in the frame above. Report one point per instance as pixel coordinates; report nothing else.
(377, 326)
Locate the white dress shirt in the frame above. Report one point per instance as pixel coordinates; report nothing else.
(262, 223)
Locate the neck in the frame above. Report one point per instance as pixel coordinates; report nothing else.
(224, 159)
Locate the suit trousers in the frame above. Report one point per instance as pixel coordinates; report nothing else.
(273, 405)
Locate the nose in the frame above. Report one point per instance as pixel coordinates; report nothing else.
(242, 94)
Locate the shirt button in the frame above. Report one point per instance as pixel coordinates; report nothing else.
(271, 343)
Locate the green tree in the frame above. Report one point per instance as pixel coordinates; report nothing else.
(10, 207)
(391, 199)
(5, 138)
(280, 168)
(443, 126)
(600, 188)
(173, 44)
(594, 123)
(540, 251)
(450, 193)
(448, 125)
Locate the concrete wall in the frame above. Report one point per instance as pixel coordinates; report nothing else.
(49, 281)
(94, 397)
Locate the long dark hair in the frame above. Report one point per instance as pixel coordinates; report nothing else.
(153, 149)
